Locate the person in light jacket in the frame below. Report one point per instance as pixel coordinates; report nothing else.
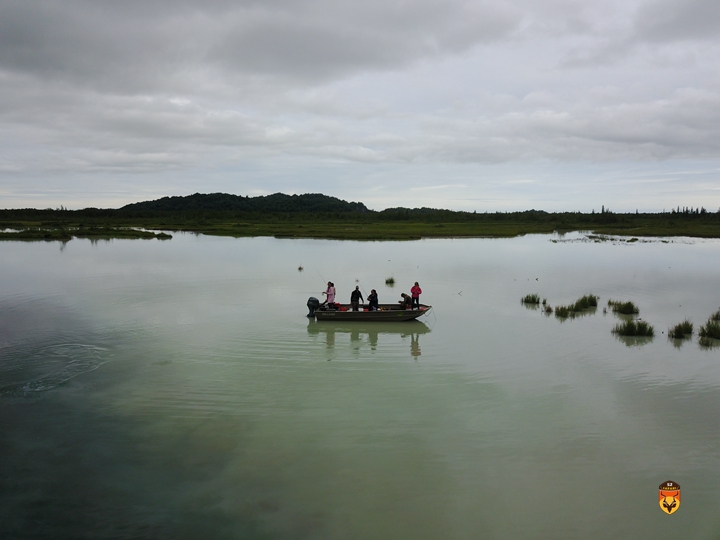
(330, 293)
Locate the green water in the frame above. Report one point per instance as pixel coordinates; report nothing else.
(177, 390)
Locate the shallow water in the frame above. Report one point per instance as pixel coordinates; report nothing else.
(177, 390)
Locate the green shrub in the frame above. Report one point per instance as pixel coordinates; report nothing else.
(586, 302)
(573, 310)
(626, 308)
(634, 328)
(531, 299)
(710, 329)
(681, 331)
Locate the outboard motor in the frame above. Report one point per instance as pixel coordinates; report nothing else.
(312, 304)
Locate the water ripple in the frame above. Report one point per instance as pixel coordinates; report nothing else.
(75, 359)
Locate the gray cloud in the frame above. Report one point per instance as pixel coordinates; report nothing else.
(136, 46)
(146, 89)
(671, 20)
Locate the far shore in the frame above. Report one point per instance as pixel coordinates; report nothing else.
(150, 229)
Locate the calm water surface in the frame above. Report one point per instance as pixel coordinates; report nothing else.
(176, 390)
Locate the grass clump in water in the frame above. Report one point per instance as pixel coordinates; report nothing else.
(710, 329)
(710, 332)
(585, 303)
(390, 281)
(531, 299)
(634, 328)
(626, 308)
(681, 331)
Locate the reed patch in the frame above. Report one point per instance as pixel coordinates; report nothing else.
(625, 308)
(634, 328)
(581, 306)
(684, 330)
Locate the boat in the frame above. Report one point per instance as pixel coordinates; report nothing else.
(386, 313)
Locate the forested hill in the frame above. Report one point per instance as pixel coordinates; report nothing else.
(321, 216)
(223, 202)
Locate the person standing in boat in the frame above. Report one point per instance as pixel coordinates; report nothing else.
(330, 293)
(416, 291)
(355, 298)
(373, 301)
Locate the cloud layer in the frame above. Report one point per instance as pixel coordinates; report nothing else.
(103, 103)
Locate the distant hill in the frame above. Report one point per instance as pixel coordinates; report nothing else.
(224, 202)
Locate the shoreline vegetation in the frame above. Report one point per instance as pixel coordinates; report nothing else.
(321, 216)
(68, 232)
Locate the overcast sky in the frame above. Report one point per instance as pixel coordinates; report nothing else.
(462, 104)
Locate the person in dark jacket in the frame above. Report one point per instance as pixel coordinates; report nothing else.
(373, 301)
(355, 298)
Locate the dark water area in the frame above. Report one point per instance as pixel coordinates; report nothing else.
(177, 390)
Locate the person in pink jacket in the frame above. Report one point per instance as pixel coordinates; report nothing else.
(330, 292)
(415, 292)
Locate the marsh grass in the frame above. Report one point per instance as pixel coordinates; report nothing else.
(634, 328)
(626, 308)
(91, 233)
(390, 281)
(710, 330)
(586, 302)
(531, 299)
(582, 305)
(684, 330)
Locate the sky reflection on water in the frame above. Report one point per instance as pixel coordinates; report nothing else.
(195, 399)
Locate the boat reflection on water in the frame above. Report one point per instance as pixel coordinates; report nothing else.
(374, 334)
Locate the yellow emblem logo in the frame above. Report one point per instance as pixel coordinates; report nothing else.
(669, 497)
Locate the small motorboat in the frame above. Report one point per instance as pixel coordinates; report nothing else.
(344, 312)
